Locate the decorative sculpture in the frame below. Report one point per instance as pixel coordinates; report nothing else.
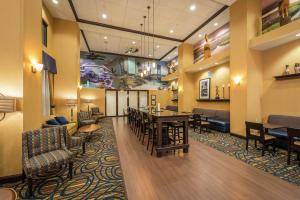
(297, 68)
(207, 50)
(283, 8)
(217, 92)
(287, 70)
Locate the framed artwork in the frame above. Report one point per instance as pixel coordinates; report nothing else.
(153, 100)
(204, 88)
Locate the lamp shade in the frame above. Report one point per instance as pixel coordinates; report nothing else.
(71, 102)
(7, 104)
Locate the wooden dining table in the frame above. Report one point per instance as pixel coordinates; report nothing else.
(164, 116)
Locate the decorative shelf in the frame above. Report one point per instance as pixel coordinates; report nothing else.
(277, 37)
(174, 100)
(170, 77)
(213, 100)
(217, 59)
(287, 77)
(174, 90)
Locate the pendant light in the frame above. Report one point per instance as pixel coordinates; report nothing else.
(153, 64)
(148, 39)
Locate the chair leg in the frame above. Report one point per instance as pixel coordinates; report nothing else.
(263, 150)
(255, 143)
(71, 169)
(298, 156)
(149, 137)
(23, 176)
(289, 157)
(29, 182)
(247, 143)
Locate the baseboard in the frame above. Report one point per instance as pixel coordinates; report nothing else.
(237, 135)
(10, 179)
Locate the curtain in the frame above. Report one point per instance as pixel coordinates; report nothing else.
(46, 93)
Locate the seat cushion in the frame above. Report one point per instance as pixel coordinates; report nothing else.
(281, 133)
(47, 161)
(217, 121)
(88, 122)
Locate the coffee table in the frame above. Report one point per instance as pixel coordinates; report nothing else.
(87, 131)
(8, 194)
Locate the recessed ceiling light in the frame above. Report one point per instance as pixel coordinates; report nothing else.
(192, 7)
(55, 1)
(150, 55)
(298, 35)
(171, 31)
(200, 35)
(133, 42)
(157, 46)
(216, 63)
(169, 57)
(105, 37)
(216, 24)
(104, 16)
(175, 53)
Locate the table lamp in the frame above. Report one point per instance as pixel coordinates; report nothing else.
(88, 102)
(71, 103)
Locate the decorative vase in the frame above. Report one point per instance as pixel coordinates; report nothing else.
(287, 70)
(297, 68)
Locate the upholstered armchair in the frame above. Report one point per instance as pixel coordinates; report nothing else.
(96, 114)
(85, 118)
(44, 150)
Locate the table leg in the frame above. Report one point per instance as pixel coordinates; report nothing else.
(159, 137)
(83, 147)
(185, 135)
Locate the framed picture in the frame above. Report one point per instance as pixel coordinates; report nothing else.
(153, 100)
(204, 88)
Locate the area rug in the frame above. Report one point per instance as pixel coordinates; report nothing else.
(98, 173)
(236, 147)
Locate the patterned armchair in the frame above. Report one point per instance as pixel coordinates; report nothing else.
(85, 118)
(96, 114)
(44, 150)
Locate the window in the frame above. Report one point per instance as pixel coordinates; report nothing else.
(44, 33)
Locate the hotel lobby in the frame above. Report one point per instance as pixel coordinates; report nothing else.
(150, 99)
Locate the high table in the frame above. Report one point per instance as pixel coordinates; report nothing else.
(169, 116)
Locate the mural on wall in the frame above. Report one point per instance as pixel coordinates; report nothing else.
(276, 13)
(120, 72)
(218, 41)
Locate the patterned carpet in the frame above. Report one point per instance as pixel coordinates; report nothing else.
(98, 174)
(235, 147)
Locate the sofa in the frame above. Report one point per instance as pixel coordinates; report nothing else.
(71, 126)
(219, 121)
(281, 133)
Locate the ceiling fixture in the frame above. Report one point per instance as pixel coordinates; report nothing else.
(157, 46)
(298, 35)
(150, 55)
(104, 16)
(55, 1)
(105, 37)
(200, 35)
(133, 42)
(171, 31)
(193, 7)
(216, 24)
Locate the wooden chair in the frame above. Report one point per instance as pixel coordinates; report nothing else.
(199, 123)
(256, 131)
(293, 143)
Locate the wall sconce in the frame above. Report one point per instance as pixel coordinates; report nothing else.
(71, 103)
(237, 80)
(36, 67)
(7, 105)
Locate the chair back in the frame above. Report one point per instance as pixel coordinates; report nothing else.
(41, 141)
(255, 130)
(83, 115)
(293, 135)
(95, 110)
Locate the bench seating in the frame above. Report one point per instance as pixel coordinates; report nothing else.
(172, 108)
(281, 133)
(220, 120)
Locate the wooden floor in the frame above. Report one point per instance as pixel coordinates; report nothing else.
(203, 173)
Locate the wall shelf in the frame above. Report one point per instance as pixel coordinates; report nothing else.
(217, 59)
(170, 77)
(213, 100)
(277, 37)
(287, 77)
(174, 100)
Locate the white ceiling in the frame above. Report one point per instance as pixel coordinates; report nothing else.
(169, 14)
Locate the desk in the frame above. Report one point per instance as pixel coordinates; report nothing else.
(169, 116)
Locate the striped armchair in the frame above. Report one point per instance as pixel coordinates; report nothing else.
(43, 151)
(85, 118)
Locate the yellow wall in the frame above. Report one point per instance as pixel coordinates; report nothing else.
(66, 51)
(281, 97)
(163, 97)
(220, 75)
(96, 94)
